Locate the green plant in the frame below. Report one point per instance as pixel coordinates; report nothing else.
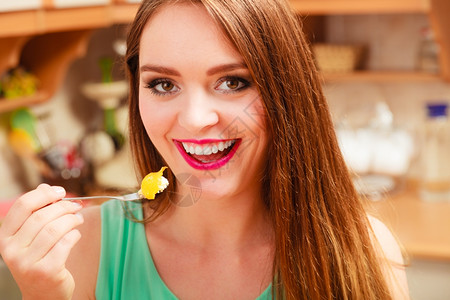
(106, 64)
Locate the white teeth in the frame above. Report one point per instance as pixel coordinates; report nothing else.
(206, 149)
(215, 149)
(198, 150)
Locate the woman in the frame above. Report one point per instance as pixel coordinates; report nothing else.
(226, 93)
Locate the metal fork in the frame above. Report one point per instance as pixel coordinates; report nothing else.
(127, 197)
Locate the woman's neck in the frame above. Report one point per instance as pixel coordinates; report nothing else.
(228, 222)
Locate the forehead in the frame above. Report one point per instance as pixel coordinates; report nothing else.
(182, 28)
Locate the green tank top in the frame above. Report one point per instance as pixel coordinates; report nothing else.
(126, 269)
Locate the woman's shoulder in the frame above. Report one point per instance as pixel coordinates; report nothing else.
(85, 256)
(386, 240)
(392, 256)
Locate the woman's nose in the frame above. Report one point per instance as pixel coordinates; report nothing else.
(198, 112)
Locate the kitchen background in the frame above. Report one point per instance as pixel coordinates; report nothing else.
(71, 122)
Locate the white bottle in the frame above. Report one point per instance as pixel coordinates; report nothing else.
(435, 175)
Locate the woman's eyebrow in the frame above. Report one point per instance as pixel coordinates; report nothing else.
(159, 69)
(226, 68)
(214, 70)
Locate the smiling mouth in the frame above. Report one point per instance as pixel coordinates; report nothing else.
(207, 154)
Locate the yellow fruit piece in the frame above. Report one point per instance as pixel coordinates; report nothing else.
(153, 183)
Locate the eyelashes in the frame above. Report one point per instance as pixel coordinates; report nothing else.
(225, 85)
(162, 87)
(232, 84)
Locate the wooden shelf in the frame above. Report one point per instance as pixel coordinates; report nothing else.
(10, 51)
(47, 57)
(45, 41)
(123, 13)
(12, 104)
(33, 22)
(328, 7)
(381, 76)
(437, 10)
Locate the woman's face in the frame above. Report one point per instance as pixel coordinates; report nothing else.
(198, 103)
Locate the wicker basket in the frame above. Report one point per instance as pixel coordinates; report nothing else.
(336, 58)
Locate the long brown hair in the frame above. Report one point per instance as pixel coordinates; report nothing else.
(323, 247)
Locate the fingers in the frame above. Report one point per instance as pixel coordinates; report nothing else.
(36, 238)
(52, 234)
(26, 205)
(38, 219)
(48, 275)
(57, 256)
(52, 265)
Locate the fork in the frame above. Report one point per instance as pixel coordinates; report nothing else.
(127, 197)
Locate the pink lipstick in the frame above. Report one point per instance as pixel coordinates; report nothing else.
(207, 154)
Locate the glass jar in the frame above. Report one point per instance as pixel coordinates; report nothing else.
(435, 159)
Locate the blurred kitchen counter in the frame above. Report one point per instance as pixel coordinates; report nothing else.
(423, 228)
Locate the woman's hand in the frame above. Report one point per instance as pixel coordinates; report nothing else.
(36, 238)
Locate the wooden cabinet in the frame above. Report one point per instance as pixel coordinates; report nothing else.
(46, 40)
(328, 7)
(46, 56)
(436, 10)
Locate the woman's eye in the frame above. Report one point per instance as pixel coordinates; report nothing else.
(232, 84)
(165, 87)
(162, 87)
